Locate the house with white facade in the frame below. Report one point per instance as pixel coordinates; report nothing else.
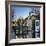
(32, 17)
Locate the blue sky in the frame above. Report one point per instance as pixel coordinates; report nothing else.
(21, 11)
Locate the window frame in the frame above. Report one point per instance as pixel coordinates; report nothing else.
(6, 38)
